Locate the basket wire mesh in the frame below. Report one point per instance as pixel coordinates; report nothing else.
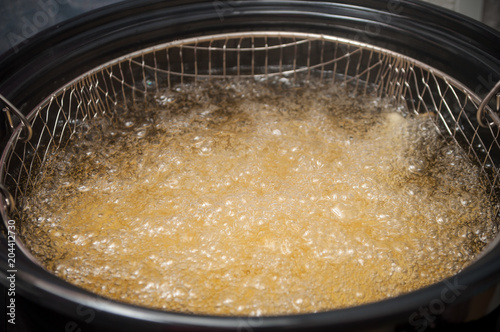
(298, 57)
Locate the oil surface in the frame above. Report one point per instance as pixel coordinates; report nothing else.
(250, 199)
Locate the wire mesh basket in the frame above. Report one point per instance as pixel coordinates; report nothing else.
(299, 57)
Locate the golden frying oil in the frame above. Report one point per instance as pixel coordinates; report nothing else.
(249, 199)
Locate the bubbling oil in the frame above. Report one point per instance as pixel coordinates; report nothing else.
(258, 199)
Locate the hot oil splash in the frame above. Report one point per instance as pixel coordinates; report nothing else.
(248, 199)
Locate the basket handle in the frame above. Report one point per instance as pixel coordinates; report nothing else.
(11, 108)
(8, 199)
(495, 92)
(8, 108)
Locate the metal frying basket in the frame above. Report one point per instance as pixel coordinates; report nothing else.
(299, 57)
